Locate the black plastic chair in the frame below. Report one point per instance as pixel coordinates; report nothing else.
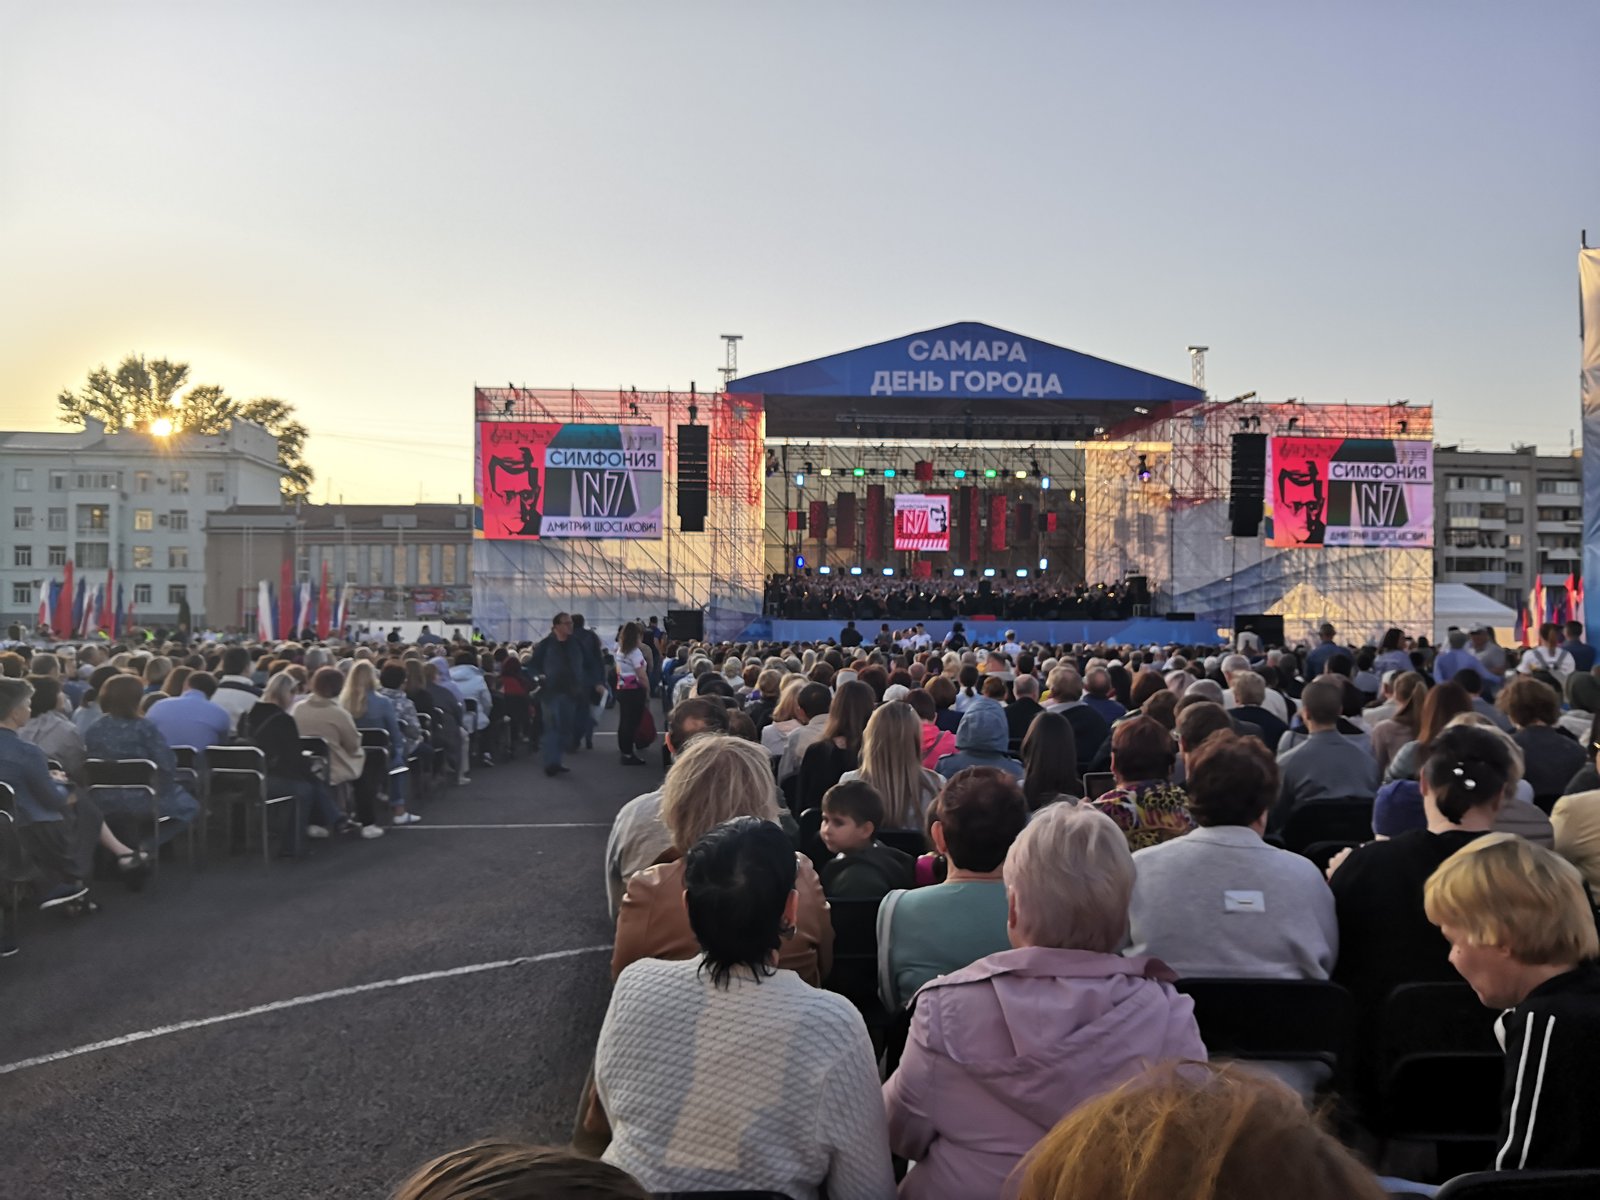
(120, 776)
(316, 749)
(907, 841)
(1327, 821)
(191, 774)
(1280, 1020)
(1322, 853)
(239, 776)
(376, 742)
(810, 823)
(855, 955)
(1522, 1185)
(14, 888)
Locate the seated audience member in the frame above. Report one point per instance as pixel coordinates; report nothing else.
(392, 687)
(1098, 694)
(934, 930)
(936, 742)
(1583, 700)
(1552, 757)
(638, 839)
(1050, 762)
(891, 761)
(56, 830)
(862, 868)
(1385, 938)
(764, 702)
(1023, 708)
(370, 709)
(493, 1170)
(815, 702)
(1471, 681)
(1443, 704)
(1145, 804)
(320, 715)
(839, 748)
(1326, 766)
(191, 718)
(786, 716)
(1199, 721)
(1249, 692)
(673, 1069)
(1194, 1132)
(715, 779)
(269, 727)
(50, 729)
(1400, 726)
(1002, 1050)
(1221, 902)
(982, 741)
(1089, 726)
(1575, 826)
(1522, 932)
(122, 733)
(946, 715)
(88, 711)
(1399, 809)
(236, 693)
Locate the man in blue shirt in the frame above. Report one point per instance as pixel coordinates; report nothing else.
(192, 719)
(1456, 658)
(1317, 660)
(1583, 655)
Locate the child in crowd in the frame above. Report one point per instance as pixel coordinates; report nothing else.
(495, 1170)
(1522, 933)
(862, 868)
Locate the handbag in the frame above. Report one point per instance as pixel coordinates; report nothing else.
(645, 732)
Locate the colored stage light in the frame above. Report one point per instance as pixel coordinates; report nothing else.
(800, 561)
(888, 570)
(888, 472)
(988, 572)
(1045, 483)
(859, 472)
(800, 480)
(1022, 572)
(855, 570)
(959, 473)
(990, 473)
(959, 572)
(824, 570)
(1021, 474)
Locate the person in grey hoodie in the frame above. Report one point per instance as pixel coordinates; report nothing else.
(983, 739)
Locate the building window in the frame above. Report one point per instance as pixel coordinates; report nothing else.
(177, 558)
(144, 520)
(22, 556)
(464, 571)
(1513, 487)
(179, 483)
(178, 519)
(22, 594)
(58, 481)
(1565, 487)
(57, 556)
(142, 481)
(1514, 515)
(177, 593)
(425, 565)
(92, 517)
(216, 483)
(92, 556)
(24, 479)
(22, 518)
(99, 480)
(1513, 566)
(144, 557)
(1513, 541)
(58, 519)
(141, 593)
(375, 569)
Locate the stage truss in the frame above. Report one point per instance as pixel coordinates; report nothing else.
(1176, 527)
(517, 586)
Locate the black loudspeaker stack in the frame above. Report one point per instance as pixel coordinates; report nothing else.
(1247, 483)
(694, 476)
(686, 624)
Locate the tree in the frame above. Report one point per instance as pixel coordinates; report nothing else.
(139, 393)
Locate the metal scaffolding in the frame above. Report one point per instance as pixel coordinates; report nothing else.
(517, 586)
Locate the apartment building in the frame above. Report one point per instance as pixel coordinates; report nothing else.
(1503, 518)
(399, 562)
(127, 500)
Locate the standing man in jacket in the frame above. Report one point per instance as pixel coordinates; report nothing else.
(567, 691)
(594, 665)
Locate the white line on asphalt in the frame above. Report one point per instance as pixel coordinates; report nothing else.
(145, 1035)
(552, 825)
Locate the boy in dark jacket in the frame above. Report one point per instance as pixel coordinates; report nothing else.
(1522, 933)
(862, 868)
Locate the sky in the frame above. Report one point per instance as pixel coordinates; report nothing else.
(365, 209)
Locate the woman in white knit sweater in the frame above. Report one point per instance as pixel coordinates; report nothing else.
(726, 1073)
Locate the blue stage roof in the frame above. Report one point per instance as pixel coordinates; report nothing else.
(968, 360)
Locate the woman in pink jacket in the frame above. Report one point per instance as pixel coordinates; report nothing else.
(1002, 1050)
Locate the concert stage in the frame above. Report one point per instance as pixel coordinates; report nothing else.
(1137, 631)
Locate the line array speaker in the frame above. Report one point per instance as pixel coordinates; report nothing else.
(694, 476)
(1247, 481)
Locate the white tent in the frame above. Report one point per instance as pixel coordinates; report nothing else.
(1463, 606)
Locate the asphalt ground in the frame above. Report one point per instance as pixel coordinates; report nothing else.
(335, 1096)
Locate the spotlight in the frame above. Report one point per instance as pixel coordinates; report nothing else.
(988, 572)
(1034, 463)
(694, 410)
(990, 473)
(1044, 564)
(825, 472)
(824, 570)
(800, 480)
(859, 472)
(800, 560)
(1144, 468)
(1020, 474)
(505, 410)
(808, 466)
(1022, 572)
(855, 570)
(959, 473)
(1293, 421)
(959, 572)
(1045, 483)
(888, 570)
(888, 472)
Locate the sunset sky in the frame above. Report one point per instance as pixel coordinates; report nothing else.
(366, 208)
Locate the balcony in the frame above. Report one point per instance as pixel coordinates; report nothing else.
(1474, 578)
(94, 531)
(1575, 526)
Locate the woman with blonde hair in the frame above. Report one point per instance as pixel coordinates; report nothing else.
(371, 710)
(715, 779)
(891, 761)
(1388, 735)
(787, 716)
(1195, 1132)
(1000, 1051)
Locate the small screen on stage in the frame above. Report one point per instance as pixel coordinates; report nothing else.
(568, 481)
(1372, 492)
(921, 522)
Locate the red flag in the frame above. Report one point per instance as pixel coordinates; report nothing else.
(286, 600)
(1522, 626)
(324, 609)
(108, 619)
(62, 625)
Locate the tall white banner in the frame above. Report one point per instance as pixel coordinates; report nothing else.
(1589, 316)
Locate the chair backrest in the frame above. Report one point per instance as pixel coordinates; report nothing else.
(375, 737)
(314, 746)
(8, 801)
(1435, 1018)
(1442, 1068)
(1522, 1185)
(1328, 821)
(810, 823)
(185, 757)
(236, 758)
(469, 705)
(1322, 853)
(122, 772)
(1279, 1019)
(855, 949)
(907, 841)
